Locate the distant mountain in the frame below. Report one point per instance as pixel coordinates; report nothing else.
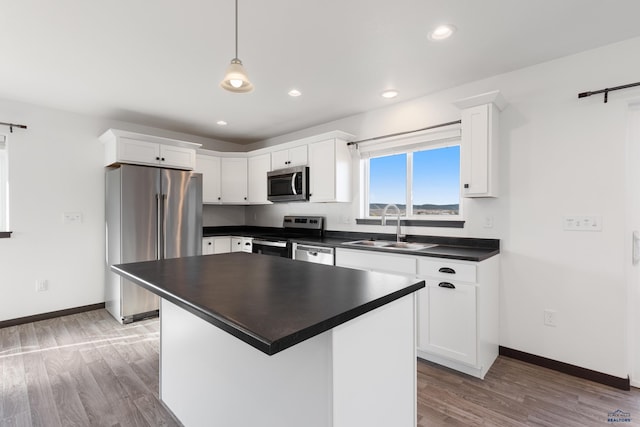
(426, 207)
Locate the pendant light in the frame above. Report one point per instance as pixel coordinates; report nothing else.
(235, 79)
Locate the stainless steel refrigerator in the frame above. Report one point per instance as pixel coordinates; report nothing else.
(151, 214)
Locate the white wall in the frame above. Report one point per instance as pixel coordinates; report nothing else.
(559, 156)
(56, 166)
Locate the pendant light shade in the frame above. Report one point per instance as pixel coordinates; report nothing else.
(236, 79)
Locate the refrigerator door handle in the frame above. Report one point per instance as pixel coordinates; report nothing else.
(158, 225)
(163, 216)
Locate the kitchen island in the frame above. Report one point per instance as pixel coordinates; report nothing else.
(250, 339)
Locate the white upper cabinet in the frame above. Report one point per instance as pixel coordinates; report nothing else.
(296, 156)
(329, 171)
(139, 149)
(257, 178)
(479, 148)
(233, 180)
(209, 167)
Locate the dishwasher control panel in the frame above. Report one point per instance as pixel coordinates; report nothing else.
(315, 254)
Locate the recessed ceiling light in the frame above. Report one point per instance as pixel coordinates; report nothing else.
(391, 93)
(442, 32)
(221, 123)
(294, 92)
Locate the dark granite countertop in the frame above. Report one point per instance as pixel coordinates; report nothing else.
(271, 303)
(459, 248)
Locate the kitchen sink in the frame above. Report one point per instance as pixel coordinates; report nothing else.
(409, 246)
(369, 243)
(387, 244)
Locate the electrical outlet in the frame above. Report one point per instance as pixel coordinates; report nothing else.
(42, 285)
(72, 217)
(488, 222)
(550, 318)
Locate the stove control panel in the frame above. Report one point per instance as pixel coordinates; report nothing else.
(309, 222)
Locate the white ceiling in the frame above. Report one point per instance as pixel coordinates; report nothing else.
(159, 62)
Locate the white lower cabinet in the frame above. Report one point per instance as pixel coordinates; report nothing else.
(447, 319)
(457, 311)
(216, 245)
(241, 244)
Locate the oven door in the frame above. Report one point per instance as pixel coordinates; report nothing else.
(267, 247)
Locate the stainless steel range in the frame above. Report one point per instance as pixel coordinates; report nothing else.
(278, 244)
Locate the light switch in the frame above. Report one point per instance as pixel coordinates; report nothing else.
(582, 222)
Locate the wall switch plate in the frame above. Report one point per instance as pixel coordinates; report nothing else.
(488, 222)
(582, 222)
(72, 217)
(550, 318)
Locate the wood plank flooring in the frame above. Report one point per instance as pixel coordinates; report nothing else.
(88, 370)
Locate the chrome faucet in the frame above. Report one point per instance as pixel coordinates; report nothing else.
(384, 220)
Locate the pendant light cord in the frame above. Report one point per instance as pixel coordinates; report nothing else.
(236, 29)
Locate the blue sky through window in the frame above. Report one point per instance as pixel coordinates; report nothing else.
(436, 179)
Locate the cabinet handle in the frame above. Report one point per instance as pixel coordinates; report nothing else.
(219, 198)
(466, 186)
(157, 158)
(446, 285)
(245, 198)
(209, 243)
(163, 159)
(447, 270)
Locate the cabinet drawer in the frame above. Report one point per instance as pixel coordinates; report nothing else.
(445, 269)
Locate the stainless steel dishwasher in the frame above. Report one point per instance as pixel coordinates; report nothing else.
(315, 254)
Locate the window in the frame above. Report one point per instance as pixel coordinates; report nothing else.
(423, 183)
(4, 185)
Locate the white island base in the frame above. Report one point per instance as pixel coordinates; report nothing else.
(360, 373)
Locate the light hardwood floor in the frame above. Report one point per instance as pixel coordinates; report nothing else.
(86, 369)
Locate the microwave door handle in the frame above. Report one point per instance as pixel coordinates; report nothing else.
(293, 183)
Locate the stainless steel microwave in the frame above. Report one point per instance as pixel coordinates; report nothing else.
(288, 185)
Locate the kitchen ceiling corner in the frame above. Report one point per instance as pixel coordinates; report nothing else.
(157, 63)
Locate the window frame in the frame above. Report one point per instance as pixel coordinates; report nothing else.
(365, 167)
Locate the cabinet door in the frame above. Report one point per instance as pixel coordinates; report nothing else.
(209, 167)
(139, 152)
(298, 156)
(447, 320)
(177, 157)
(279, 159)
(322, 171)
(479, 155)
(233, 180)
(236, 244)
(207, 245)
(329, 171)
(257, 178)
(221, 245)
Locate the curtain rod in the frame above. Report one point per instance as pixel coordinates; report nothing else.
(606, 91)
(13, 125)
(405, 132)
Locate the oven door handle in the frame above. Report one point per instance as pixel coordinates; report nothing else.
(269, 243)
